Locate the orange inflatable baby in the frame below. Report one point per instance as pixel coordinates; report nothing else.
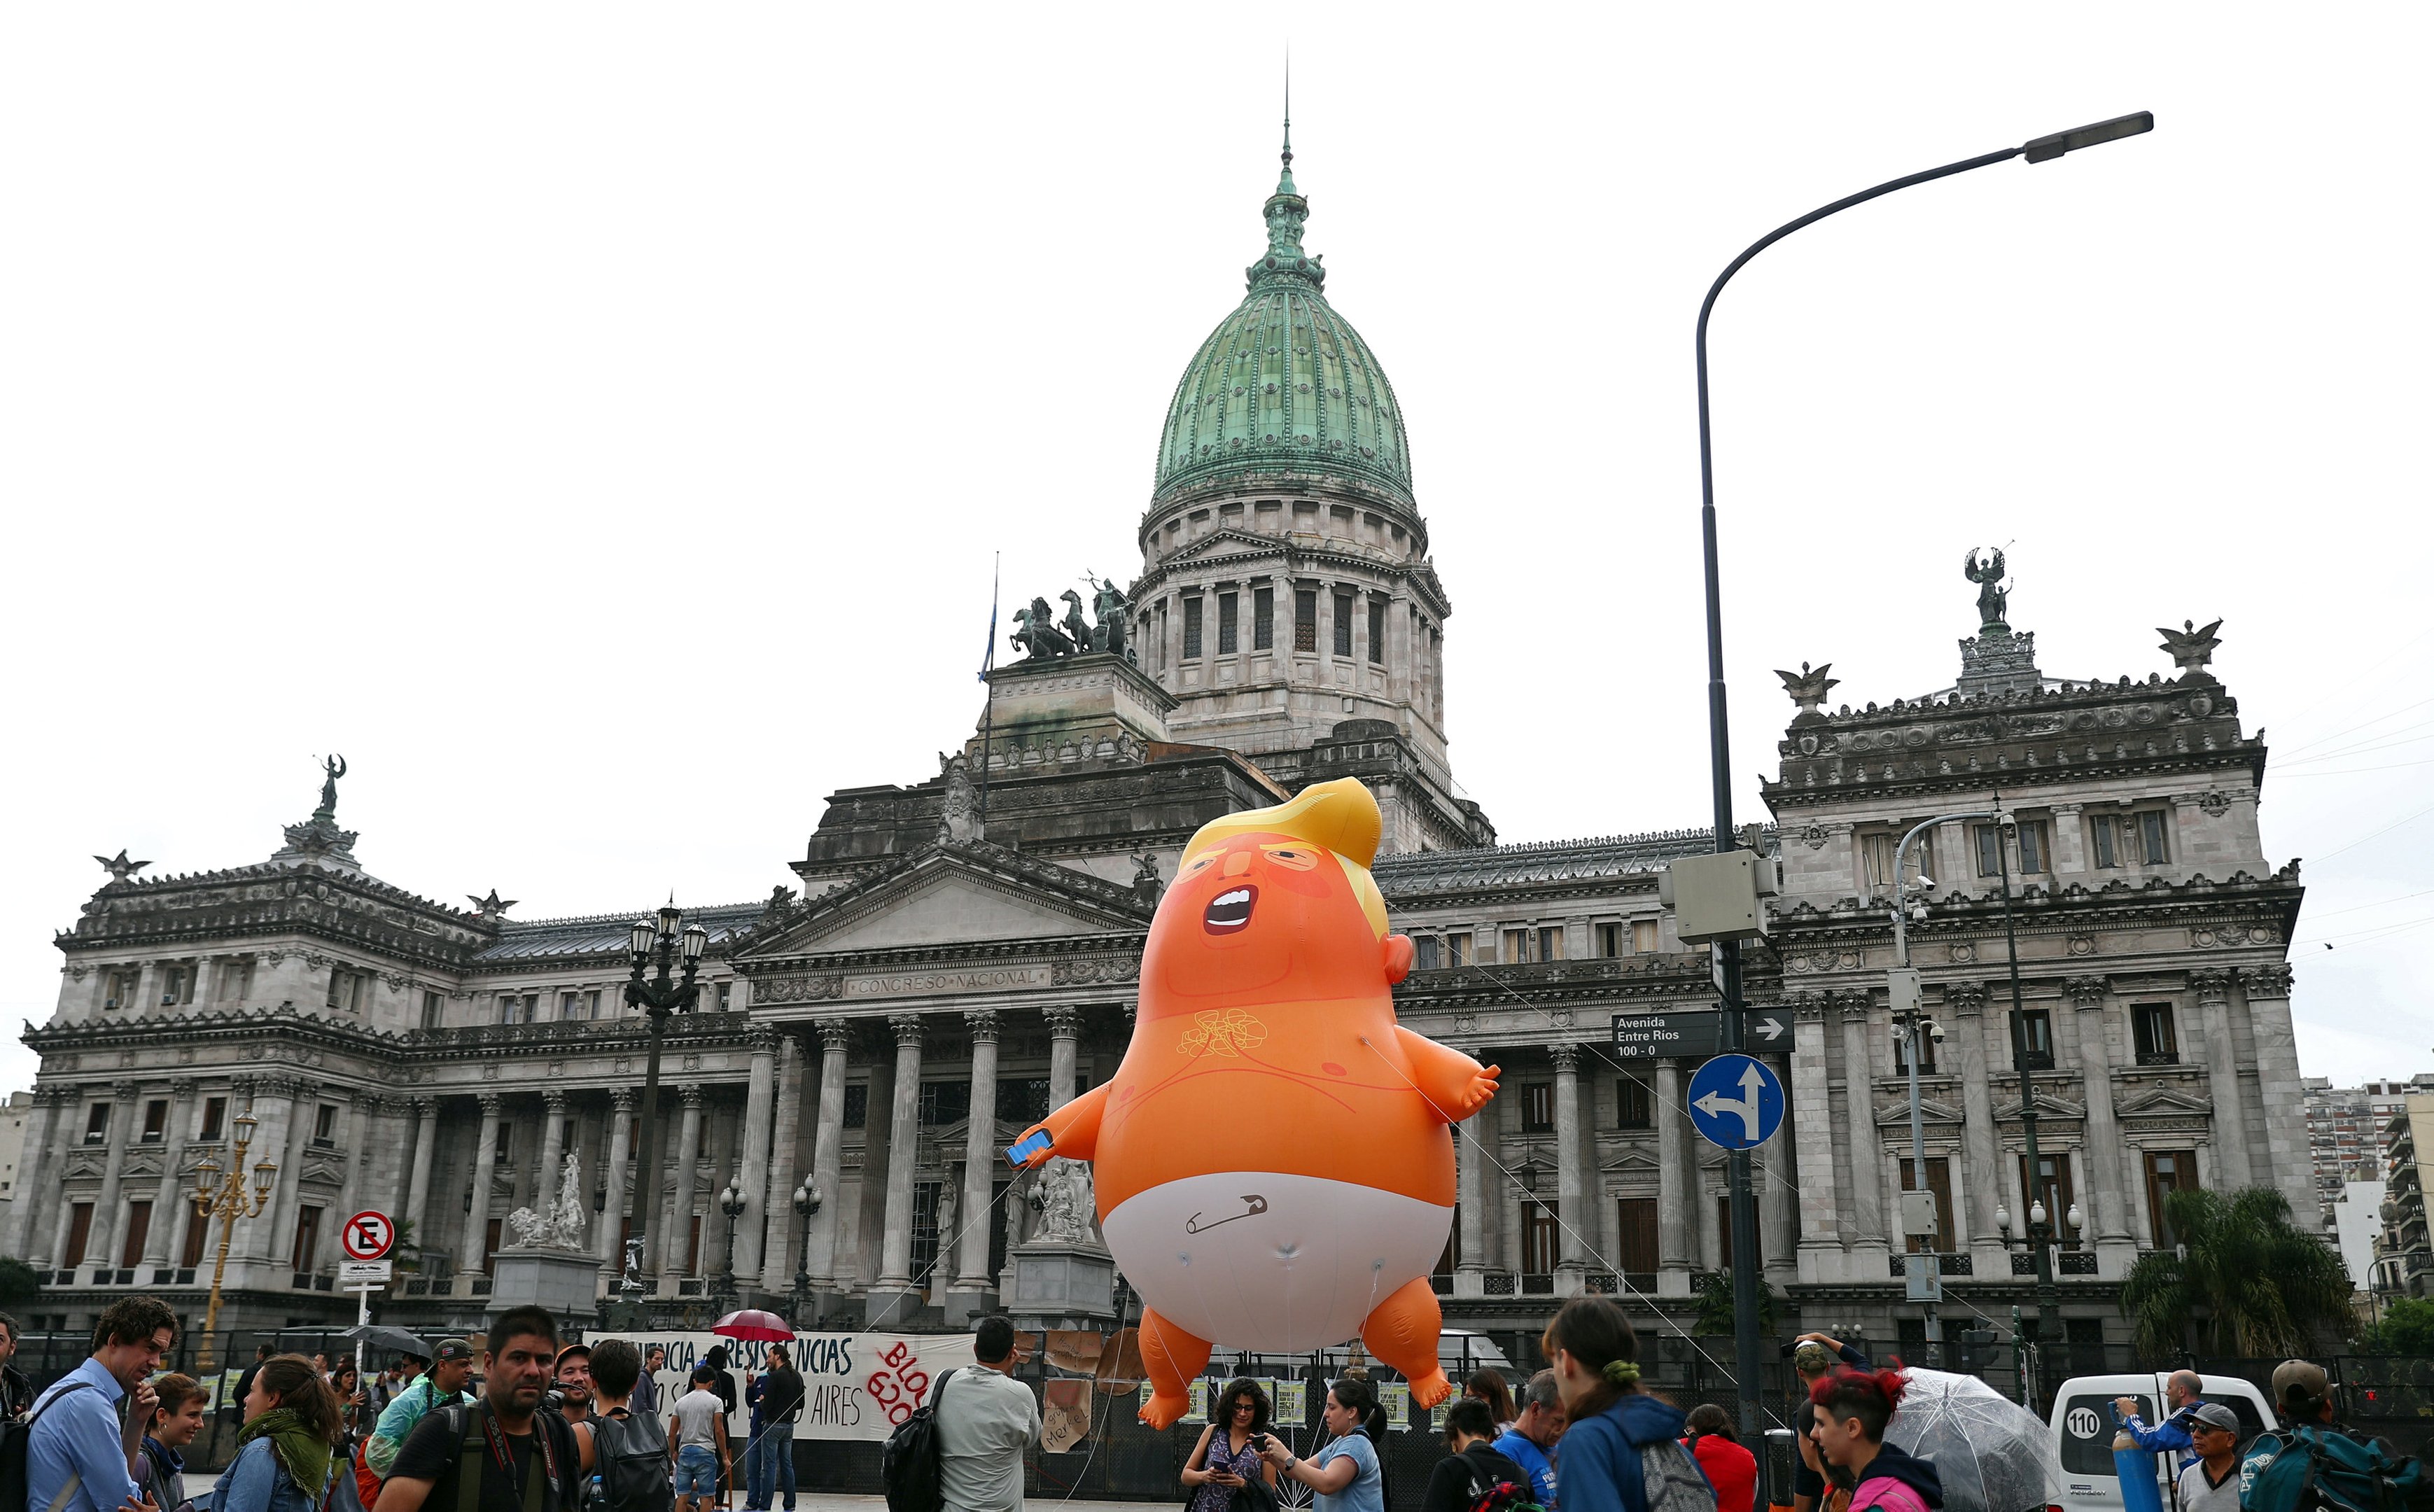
(1273, 1163)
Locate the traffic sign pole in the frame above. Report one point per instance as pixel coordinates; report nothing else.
(367, 1237)
(1741, 1202)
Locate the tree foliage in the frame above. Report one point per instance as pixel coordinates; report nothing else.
(17, 1284)
(2250, 1283)
(2407, 1328)
(1715, 1298)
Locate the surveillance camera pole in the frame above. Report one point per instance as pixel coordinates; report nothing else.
(1915, 1030)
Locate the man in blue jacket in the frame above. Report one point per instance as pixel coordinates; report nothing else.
(2181, 1404)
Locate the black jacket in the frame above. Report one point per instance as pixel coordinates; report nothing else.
(1451, 1483)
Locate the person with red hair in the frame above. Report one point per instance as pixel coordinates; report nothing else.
(1853, 1407)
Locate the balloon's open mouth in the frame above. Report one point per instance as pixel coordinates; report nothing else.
(1230, 910)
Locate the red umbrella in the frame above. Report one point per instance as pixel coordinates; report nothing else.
(754, 1324)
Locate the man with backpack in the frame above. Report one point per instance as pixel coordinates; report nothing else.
(503, 1453)
(2316, 1462)
(80, 1453)
(631, 1449)
(16, 1392)
(1473, 1476)
(443, 1382)
(984, 1426)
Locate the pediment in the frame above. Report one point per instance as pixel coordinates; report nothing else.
(2163, 1100)
(1213, 548)
(2048, 1106)
(1629, 1159)
(1931, 1111)
(958, 895)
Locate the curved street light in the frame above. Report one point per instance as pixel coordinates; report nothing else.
(1728, 963)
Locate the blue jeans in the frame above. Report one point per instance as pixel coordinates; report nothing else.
(697, 1471)
(769, 1465)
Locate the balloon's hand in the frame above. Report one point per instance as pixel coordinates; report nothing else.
(1481, 1088)
(1033, 1150)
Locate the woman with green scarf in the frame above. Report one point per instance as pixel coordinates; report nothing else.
(284, 1450)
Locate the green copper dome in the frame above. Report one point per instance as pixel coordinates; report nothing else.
(1284, 386)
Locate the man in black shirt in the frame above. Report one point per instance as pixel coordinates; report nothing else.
(769, 1464)
(502, 1453)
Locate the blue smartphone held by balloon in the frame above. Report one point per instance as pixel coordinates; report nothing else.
(1021, 1153)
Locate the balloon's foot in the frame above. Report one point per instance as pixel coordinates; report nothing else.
(1430, 1389)
(1162, 1411)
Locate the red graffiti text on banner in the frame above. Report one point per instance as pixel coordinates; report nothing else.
(900, 1383)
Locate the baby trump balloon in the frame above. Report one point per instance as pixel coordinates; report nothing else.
(1273, 1161)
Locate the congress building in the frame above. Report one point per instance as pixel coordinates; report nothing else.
(962, 954)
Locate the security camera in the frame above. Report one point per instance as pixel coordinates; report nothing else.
(1935, 1031)
(1918, 912)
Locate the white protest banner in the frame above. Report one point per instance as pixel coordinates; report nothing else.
(856, 1386)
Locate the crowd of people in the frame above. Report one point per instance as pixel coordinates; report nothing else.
(552, 1428)
(576, 1427)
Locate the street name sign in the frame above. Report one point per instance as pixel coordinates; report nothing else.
(1736, 1101)
(367, 1235)
(1696, 1031)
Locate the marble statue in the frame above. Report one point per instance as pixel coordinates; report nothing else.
(560, 1225)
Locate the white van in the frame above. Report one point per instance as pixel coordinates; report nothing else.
(2083, 1430)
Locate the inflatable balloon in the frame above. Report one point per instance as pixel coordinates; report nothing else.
(1273, 1162)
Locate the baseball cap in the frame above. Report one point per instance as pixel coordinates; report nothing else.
(451, 1349)
(2300, 1375)
(572, 1350)
(2215, 1415)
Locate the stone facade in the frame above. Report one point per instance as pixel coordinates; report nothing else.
(964, 950)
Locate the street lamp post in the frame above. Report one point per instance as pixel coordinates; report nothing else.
(2039, 1239)
(807, 1203)
(731, 1202)
(664, 994)
(228, 1199)
(1728, 961)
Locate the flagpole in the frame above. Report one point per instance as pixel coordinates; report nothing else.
(989, 705)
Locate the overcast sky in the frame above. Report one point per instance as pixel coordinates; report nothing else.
(597, 422)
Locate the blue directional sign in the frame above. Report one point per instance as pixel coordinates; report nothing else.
(1736, 1101)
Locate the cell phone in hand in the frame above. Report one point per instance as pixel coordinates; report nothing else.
(1029, 1145)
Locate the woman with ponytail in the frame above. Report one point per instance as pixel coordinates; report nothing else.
(1344, 1472)
(284, 1450)
(1618, 1439)
(1853, 1407)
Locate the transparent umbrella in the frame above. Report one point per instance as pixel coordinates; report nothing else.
(1991, 1454)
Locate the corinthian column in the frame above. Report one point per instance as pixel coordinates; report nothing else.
(1064, 1055)
(2268, 990)
(1470, 1200)
(485, 1160)
(778, 1227)
(828, 1150)
(418, 1181)
(105, 1229)
(1868, 1241)
(891, 1297)
(1672, 1186)
(2101, 1155)
(608, 1241)
(676, 1234)
(1570, 1194)
(1813, 1124)
(170, 1210)
(41, 1153)
(972, 1278)
(2230, 1120)
(553, 1144)
(761, 1086)
(1987, 1255)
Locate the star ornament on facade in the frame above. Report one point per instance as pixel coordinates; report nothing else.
(1229, 1033)
(119, 867)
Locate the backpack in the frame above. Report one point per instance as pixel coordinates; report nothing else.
(908, 1464)
(14, 1440)
(1499, 1495)
(1672, 1478)
(2315, 1467)
(465, 1431)
(630, 1461)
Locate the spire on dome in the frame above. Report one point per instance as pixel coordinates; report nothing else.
(1285, 213)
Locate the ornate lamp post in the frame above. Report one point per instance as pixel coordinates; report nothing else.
(2039, 1240)
(228, 1199)
(807, 1203)
(665, 993)
(731, 1202)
